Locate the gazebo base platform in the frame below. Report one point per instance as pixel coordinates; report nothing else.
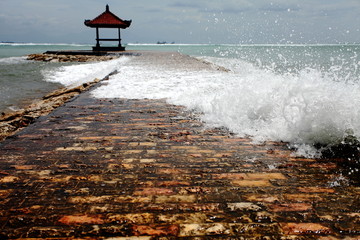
(109, 48)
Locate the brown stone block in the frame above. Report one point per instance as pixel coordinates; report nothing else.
(255, 229)
(220, 137)
(130, 152)
(348, 227)
(156, 125)
(147, 184)
(64, 166)
(153, 191)
(305, 229)
(265, 176)
(231, 176)
(176, 199)
(164, 207)
(196, 189)
(196, 155)
(135, 218)
(200, 207)
(152, 152)
(106, 138)
(173, 183)
(263, 198)
(248, 165)
(9, 179)
(32, 136)
(173, 171)
(237, 140)
(5, 193)
(186, 148)
(44, 233)
(90, 199)
(153, 230)
(39, 173)
(252, 183)
(223, 155)
(147, 160)
(80, 220)
(184, 218)
(264, 217)
(290, 207)
(205, 151)
(114, 166)
(302, 197)
(355, 216)
(315, 190)
(191, 137)
(142, 144)
(24, 167)
(250, 176)
(243, 206)
(24, 210)
(59, 179)
(95, 178)
(19, 220)
(128, 166)
(84, 148)
(132, 199)
(189, 230)
(4, 173)
(212, 159)
(325, 166)
(130, 160)
(301, 159)
(79, 178)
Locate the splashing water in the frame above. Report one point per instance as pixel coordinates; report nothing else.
(77, 74)
(304, 109)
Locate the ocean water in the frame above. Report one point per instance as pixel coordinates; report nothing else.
(23, 81)
(306, 95)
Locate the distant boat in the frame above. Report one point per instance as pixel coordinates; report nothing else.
(164, 42)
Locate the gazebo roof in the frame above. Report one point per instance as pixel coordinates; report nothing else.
(107, 20)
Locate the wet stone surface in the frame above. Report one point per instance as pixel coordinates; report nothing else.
(121, 169)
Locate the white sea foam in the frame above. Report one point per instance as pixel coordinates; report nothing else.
(304, 108)
(80, 73)
(12, 60)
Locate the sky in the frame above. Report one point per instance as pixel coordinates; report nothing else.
(185, 21)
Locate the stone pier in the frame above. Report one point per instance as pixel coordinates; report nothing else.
(120, 169)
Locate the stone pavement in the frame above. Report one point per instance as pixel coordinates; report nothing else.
(120, 169)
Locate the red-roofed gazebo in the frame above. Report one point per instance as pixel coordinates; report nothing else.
(108, 20)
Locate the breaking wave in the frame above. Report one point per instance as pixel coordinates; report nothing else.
(12, 60)
(81, 73)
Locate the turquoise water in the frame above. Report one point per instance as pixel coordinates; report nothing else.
(22, 49)
(22, 81)
(281, 58)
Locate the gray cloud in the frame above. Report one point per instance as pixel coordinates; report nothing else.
(185, 5)
(188, 21)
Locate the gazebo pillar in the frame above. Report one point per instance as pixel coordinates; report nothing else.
(97, 38)
(119, 37)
